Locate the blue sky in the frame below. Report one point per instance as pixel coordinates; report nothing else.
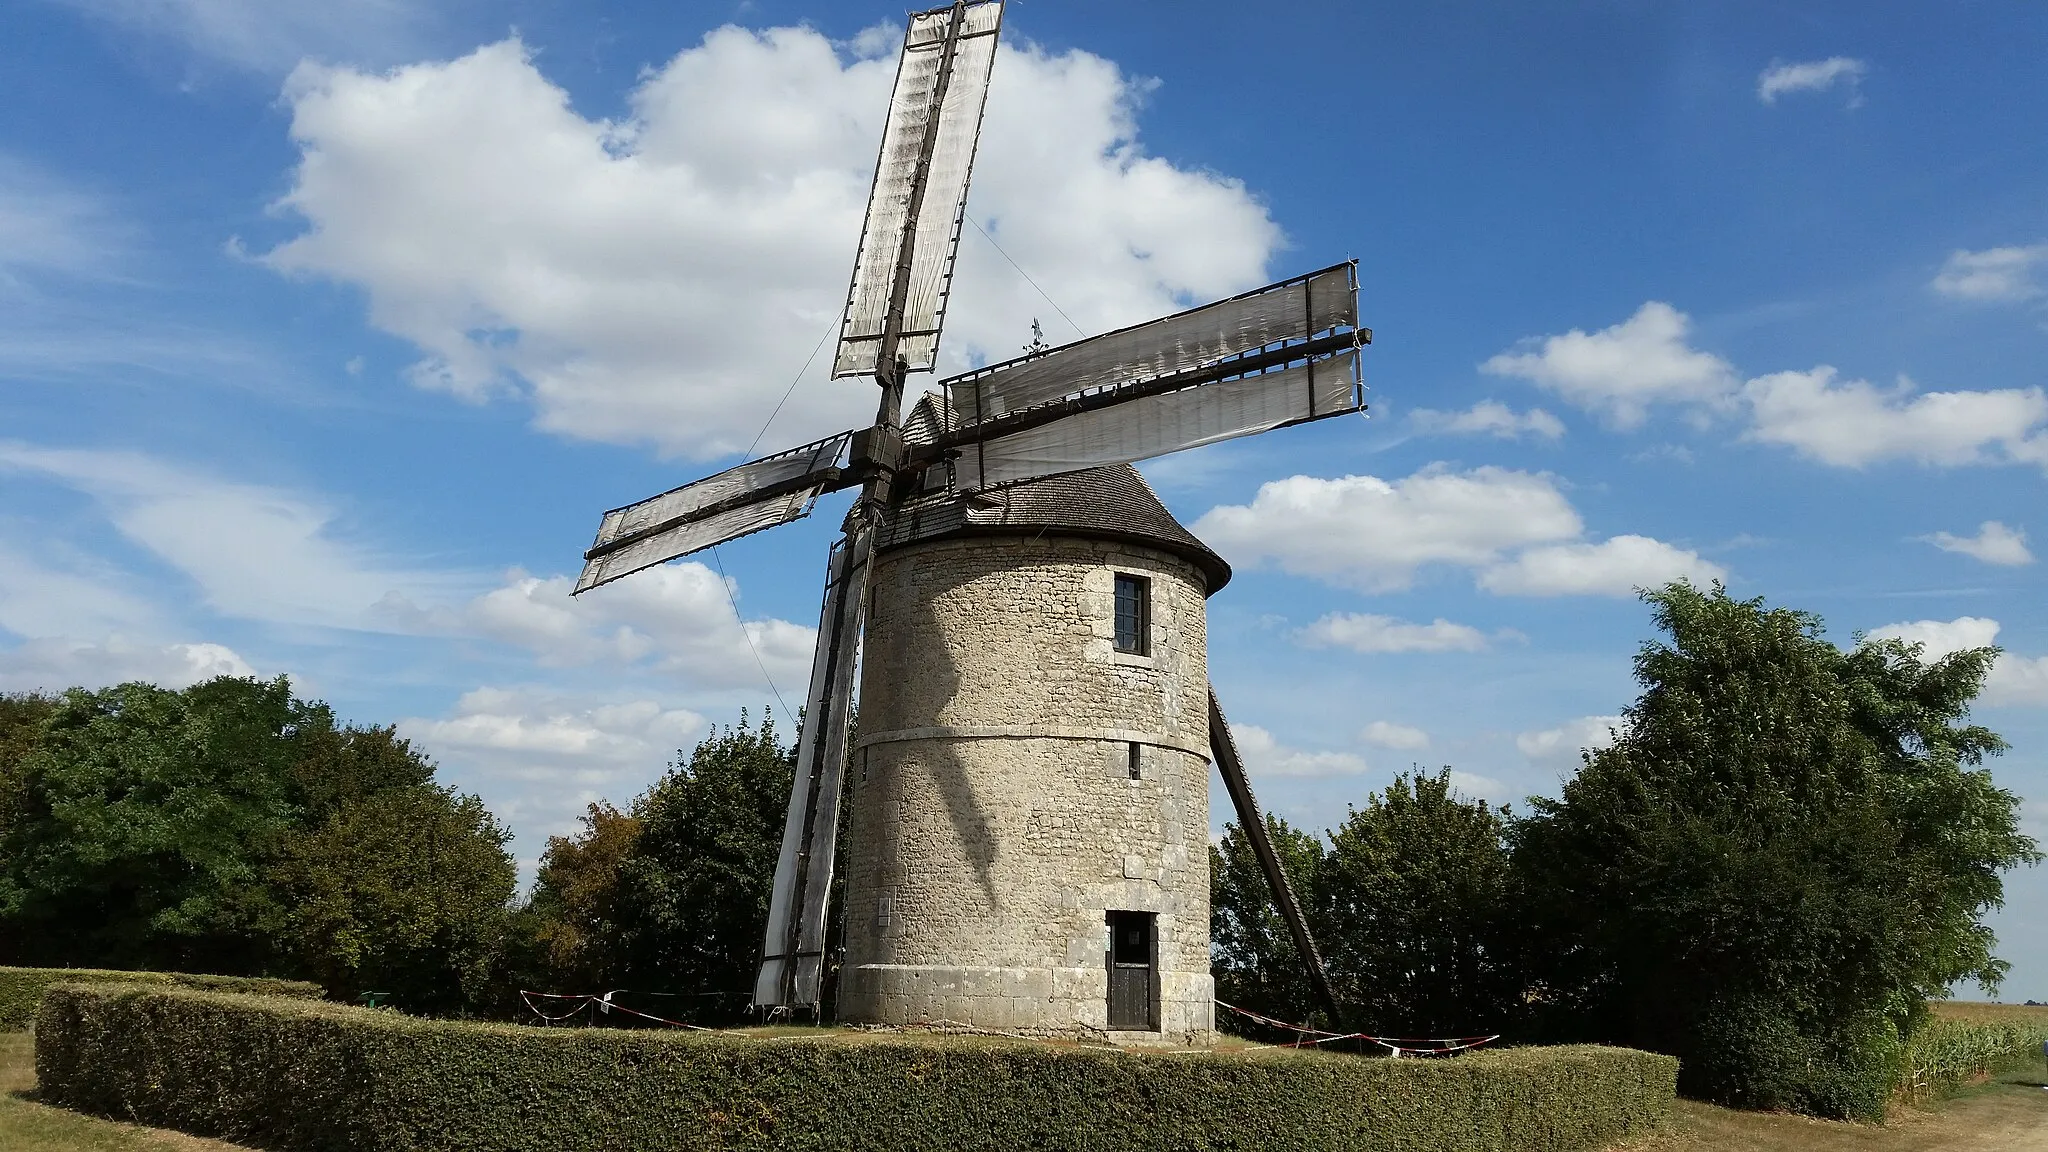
(326, 332)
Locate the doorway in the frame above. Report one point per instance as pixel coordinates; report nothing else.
(1133, 970)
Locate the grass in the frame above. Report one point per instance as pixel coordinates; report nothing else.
(26, 1126)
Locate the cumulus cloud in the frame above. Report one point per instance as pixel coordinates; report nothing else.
(1994, 275)
(1812, 76)
(655, 279)
(1994, 543)
(1559, 747)
(1619, 372)
(1366, 533)
(538, 735)
(1489, 418)
(1616, 567)
(1363, 632)
(1852, 424)
(1479, 787)
(1266, 756)
(1939, 638)
(254, 552)
(1386, 734)
(676, 619)
(2013, 680)
(55, 663)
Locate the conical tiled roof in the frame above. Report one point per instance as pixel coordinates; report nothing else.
(1111, 503)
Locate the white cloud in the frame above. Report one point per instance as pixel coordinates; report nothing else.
(1266, 756)
(1365, 533)
(1479, 787)
(254, 552)
(655, 279)
(1559, 747)
(1852, 424)
(49, 226)
(1939, 638)
(1995, 274)
(537, 756)
(1386, 734)
(1362, 632)
(1619, 372)
(2013, 680)
(1812, 76)
(271, 35)
(76, 595)
(1614, 568)
(677, 619)
(2018, 681)
(1994, 543)
(1489, 418)
(53, 664)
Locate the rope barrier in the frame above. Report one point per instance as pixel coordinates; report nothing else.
(1395, 1045)
(605, 1003)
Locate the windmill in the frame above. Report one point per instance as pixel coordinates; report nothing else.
(1025, 455)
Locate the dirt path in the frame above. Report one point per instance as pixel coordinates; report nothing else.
(2009, 1114)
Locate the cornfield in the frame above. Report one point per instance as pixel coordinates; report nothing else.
(1965, 1041)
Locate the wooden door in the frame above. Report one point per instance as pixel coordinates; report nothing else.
(1132, 971)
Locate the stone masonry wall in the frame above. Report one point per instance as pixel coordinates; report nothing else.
(994, 820)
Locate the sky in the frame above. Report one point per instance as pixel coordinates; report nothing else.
(328, 330)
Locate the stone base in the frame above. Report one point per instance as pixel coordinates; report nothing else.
(1035, 1001)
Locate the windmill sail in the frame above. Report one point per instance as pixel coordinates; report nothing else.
(792, 954)
(941, 141)
(1322, 301)
(1155, 425)
(747, 498)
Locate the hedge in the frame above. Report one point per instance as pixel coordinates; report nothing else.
(298, 1077)
(21, 989)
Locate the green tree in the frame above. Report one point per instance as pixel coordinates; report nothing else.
(141, 820)
(1784, 854)
(579, 920)
(22, 717)
(1414, 896)
(401, 889)
(1252, 954)
(695, 888)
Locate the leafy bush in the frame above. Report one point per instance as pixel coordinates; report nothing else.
(21, 989)
(296, 1076)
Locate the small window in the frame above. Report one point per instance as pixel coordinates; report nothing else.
(1133, 613)
(1134, 760)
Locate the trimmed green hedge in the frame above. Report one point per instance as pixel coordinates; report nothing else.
(300, 1076)
(21, 989)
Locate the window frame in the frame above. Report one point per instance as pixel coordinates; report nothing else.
(1142, 630)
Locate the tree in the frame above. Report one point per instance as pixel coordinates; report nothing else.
(1785, 852)
(1414, 894)
(579, 920)
(694, 891)
(22, 718)
(231, 827)
(402, 889)
(141, 820)
(1252, 953)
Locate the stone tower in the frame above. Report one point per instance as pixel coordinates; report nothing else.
(1029, 787)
